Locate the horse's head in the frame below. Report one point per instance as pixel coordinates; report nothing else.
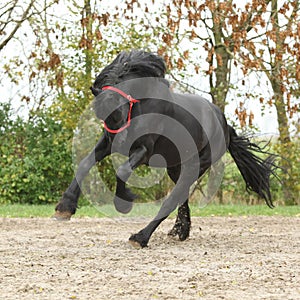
(114, 88)
(110, 108)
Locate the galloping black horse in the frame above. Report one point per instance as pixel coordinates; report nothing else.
(145, 120)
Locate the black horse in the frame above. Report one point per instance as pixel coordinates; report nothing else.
(145, 120)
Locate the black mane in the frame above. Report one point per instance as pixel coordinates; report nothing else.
(136, 62)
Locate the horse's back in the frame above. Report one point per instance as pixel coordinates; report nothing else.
(195, 126)
(201, 117)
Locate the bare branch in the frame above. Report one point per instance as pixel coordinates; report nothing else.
(17, 26)
(186, 85)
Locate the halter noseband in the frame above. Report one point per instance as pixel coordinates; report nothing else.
(131, 102)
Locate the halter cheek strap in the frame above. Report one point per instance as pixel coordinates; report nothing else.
(131, 102)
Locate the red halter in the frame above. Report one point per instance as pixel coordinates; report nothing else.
(131, 102)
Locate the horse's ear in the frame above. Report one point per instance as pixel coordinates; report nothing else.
(95, 91)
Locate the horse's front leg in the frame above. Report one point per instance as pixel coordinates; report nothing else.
(68, 203)
(141, 238)
(123, 200)
(180, 191)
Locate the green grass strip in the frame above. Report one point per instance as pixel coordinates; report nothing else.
(148, 210)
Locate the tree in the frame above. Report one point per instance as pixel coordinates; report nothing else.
(64, 59)
(284, 74)
(12, 19)
(69, 56)
(211, 40)
(13, 14)
(262, 37)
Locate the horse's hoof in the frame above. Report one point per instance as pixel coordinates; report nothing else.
(62, 216)
(135, 244)
(122, 206)
(138, 241)
(173, 232)
(181, 230)
(183, 235)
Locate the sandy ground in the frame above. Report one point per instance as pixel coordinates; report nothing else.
(225, 258)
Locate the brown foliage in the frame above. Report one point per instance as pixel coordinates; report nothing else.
(249, 35)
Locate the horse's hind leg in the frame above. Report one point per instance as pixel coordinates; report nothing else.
(182, 224)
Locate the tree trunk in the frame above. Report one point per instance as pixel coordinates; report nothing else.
(282, 119)
(284, 142)
(219, 89)
(88, 51)
(281, 110)
(222, 74)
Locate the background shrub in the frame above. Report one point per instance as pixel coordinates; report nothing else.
(35, 164)
(36, 167)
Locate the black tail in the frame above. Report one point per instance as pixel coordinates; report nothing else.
(255, 170)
